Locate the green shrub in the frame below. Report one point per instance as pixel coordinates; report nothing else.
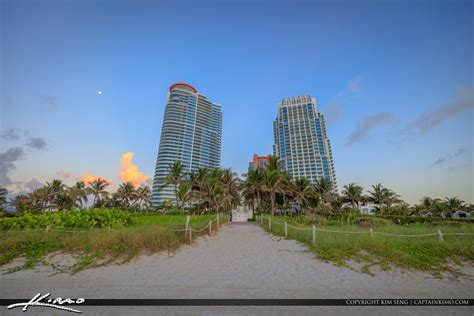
(79, 218)
(369, 222)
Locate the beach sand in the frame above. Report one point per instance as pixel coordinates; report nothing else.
(240, 261)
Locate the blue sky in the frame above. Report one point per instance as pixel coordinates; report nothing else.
(394, 79)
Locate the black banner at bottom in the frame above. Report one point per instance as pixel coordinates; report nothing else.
(260, 302)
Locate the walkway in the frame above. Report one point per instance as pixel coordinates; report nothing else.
(241, 261)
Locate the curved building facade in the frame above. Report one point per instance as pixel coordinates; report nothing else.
(191, 133)
(301, 140)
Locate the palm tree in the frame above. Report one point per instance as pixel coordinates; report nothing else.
(113, 200)
(337, 204)
(78, 193)
(3, 196)
(274, 163)
(40, 198)
(21, 202)
(126, 193)
(218, 196)
(230, 184)
(252, 187)
(198, 183)
(271, 184)
(378, 194)
(143, 196)
(383, 196)
(55, 189)
(183, 194)
(324, 189)
(97, 189)
(453, 204)
(302, 191)
(352, 193)
(175, 176)
(287, 188)
(391, 198)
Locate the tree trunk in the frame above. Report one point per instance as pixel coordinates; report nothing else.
(259, 201)
(272, 200)
(175, 194)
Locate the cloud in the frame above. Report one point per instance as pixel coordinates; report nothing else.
(366, 124)
(460, 167)
(33, 184)
(7, 163)
(448, 157)
(63, 174)
(129, 171)
(12, 134)
(466, 91)
(333, 110)
(354, 85)
(37, 142)
(431, 119)
(90, 177)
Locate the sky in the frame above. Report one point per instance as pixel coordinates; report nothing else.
(394, 80)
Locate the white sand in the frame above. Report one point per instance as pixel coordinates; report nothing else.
(241, 261)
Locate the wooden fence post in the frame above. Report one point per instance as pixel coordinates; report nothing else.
(371, 233)
(314, 234)
(188, 218)
(270, 223)
(261, 218)
(286, 229)
(190, 235)
(210, 227)
(440, 234)
(217, 220)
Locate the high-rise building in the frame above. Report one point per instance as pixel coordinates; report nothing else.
(258, 161)
(191, 133)
(301, 141)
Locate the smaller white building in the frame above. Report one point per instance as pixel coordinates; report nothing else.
(368, 209)
(241, 214)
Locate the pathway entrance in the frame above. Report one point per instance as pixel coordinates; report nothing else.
(241, 214)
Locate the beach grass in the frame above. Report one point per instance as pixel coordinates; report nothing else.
(100, 246)
(425, 253)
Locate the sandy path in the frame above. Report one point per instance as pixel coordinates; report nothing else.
(241, 261)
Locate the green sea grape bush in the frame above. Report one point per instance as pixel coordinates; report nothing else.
(77, 219)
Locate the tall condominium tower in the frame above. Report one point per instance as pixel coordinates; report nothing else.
(191, 133)
(301, 141)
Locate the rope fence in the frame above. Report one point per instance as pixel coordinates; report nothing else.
(188, 230)
(370, 232)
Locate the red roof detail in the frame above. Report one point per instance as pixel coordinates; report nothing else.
(183, 84)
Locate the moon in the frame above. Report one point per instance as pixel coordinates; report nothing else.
(99, 92)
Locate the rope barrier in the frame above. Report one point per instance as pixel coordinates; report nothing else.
(458, 234)
(364, 232)
(200, 230)
(300, 228)
(416, 235)
(341, 231)
(85, 231)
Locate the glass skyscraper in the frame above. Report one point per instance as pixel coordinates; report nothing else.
(301, 141)
(191, 133)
